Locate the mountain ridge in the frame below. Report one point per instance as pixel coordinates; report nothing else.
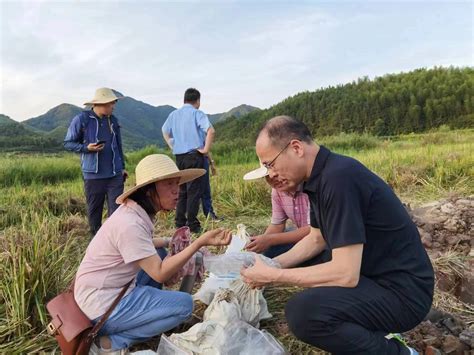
(140, 122)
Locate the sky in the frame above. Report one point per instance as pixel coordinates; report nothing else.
(233, 52)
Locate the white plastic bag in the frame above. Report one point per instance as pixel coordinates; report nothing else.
(243, 339)
(211, 285)
(224, 269)
(167, 347)
(239, 240)
(230, 264)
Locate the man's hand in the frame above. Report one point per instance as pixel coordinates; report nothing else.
(213, 168)
(94, 147)
(202, 151)
(260, 274)
(259, 243)
(124, 174)
(216, 237)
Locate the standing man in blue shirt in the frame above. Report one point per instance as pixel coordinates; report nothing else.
(188, 132)
(96, 135)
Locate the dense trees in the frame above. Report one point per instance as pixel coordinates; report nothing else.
(15, 136)
(397, 103)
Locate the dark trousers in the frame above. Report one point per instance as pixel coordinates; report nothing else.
(96, 190)
(276, 250)
(206, 191)
(351, 320)
(189, 193)
(279, 249)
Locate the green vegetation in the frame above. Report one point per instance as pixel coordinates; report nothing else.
(394, 104)
(15, 136)
(389, 105)
(44, 230)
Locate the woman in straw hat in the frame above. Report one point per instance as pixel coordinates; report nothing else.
(123, 246)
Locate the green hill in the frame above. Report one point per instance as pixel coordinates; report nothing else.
(392, 104)
(16, 136)
(236, 112)
(140, 122)
(58, 116)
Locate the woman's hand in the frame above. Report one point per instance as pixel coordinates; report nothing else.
(216, 237)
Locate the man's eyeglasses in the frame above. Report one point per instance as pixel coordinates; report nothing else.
(270, 164)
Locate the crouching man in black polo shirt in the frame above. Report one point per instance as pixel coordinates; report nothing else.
(379, 278)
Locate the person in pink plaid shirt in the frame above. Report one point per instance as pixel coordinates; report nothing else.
(286, 205)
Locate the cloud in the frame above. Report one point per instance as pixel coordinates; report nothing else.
(234, 52)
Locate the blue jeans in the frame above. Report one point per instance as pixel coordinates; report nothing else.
(144, 279)
(206, 191)
(145, 312)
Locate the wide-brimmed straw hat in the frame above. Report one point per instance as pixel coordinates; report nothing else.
(102, 96)
(157, 167)
(257, 173)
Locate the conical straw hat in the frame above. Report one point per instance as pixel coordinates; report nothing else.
(157, 167)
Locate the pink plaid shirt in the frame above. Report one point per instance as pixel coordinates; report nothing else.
(286, 206)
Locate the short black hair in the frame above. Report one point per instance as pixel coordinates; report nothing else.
(282, 129)
(143, 196)
(191, 95)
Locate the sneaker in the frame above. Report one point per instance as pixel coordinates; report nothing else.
(398, 337)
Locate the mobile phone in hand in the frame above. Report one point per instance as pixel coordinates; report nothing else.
(100, 142)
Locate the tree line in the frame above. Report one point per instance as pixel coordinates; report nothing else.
(393, 104)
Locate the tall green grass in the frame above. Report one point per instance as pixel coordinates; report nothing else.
(37, 260)
(39, 169)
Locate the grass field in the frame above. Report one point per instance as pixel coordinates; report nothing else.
(44, 229)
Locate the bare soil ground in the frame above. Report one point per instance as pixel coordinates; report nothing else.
(446, 232)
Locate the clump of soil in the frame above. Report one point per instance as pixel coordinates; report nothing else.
(446, 232)
(446, 225)
(442, 333)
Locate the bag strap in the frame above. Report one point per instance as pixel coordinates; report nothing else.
(95, 330)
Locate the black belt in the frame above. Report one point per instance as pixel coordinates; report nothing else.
(191, 152)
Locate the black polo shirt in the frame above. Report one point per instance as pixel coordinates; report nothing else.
(352, 205)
